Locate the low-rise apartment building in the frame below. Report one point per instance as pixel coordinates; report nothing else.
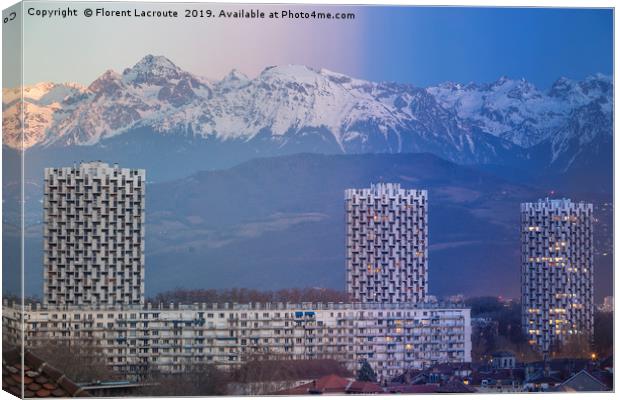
(392, 337)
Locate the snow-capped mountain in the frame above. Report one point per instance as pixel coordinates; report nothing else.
(42, 104)
(517, 111)
(316, 110)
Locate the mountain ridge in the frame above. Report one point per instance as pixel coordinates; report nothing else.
(295, 105)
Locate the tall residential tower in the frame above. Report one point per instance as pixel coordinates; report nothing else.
(93, 240)
(557, 272)
(387, 244)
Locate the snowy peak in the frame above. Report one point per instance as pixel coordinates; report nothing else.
(591, 88)
(235, 76)
(600, 81)
(562, 88)
(451, 86)
(501, 81)
(342, 79)
(153, 70)
(234, 80)
(108, 83)
(523, 90)
(59, 93)
(41, 102)
(516, 110)
(292, 72)
(43, 93)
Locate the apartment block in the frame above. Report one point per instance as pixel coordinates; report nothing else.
(392, 337)
(387, 244)
(557, 271)
(93, 239)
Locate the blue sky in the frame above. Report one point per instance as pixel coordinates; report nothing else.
(429, 45)
(419, 45)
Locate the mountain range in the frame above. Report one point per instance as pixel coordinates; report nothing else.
(290, 109)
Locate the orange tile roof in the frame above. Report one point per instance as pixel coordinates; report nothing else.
(326, 384)
(35, 377)
(421, 388)
(364, 387)
(332, 383)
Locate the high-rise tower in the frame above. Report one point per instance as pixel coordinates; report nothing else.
(387, 244)
(93, 240)
(557, 272)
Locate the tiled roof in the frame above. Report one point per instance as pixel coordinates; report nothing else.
(540, 378)
(455, 387)
(501, 375)
(364, 387)
(326, 384)
(297, 390)
(36, 377)
(333, 384)
(557, 364)
(604, 376)
(424, 388)
(451, 367)
(582, 382)
(407, 376)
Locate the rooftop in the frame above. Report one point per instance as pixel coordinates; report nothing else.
(35, 377)
(582, 382)
(244, 306)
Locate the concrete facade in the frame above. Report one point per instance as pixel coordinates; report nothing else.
(557, 274)
(93, 235)
(392, 337)
(387, 244)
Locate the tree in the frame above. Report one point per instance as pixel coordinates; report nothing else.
(483, 306)
(195, 380)
(576, 346)
(603, 333)
(366, 373)
(262, 376)
(81, 362)
(245, 295)
(504, 332)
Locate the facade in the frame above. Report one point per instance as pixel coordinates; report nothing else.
(93, 240)
(392, 337)
(387, 244)
(503, 360)
(557, 271)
